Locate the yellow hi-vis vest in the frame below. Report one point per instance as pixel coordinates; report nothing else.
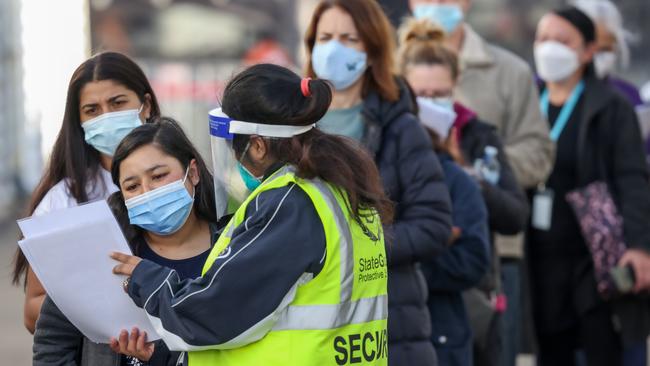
(337, 318)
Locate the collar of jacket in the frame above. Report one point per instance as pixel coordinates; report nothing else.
(597, 96)
(475, 50)
(378, 113)
(464, 116)
(444, 156)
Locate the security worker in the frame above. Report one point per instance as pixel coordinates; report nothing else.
(299, 275)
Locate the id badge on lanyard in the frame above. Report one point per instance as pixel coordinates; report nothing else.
(543, 208)
(543, 201)
(565, 113)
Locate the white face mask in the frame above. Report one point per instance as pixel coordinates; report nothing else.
(437, 114)
(605, 63)
(555, 61)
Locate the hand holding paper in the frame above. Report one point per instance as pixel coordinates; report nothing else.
(127, 263)
(134, 344)
(68, 251)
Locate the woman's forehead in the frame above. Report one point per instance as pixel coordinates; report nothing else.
(336, 20)
(145, 158)
(95, 91)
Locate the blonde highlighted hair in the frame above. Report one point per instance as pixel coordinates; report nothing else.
(422, 43)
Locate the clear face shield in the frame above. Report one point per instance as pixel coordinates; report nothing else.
(229, 187)
(228, 184)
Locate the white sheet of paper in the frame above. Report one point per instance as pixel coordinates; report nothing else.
(69, 250)
(643, 112)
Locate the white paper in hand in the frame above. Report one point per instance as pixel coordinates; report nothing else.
(69, 250)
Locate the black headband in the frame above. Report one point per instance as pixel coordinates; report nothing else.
(580, 20)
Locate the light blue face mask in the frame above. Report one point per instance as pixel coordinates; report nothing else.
(105, 132)
(251, 181)
(443, 102)
(448, 16)
(339, 64)
(162, 211)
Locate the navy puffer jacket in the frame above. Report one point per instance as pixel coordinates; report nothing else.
(414, 181)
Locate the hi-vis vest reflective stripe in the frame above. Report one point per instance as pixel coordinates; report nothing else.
(337, 318)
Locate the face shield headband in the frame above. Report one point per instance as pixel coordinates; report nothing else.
(230, 189)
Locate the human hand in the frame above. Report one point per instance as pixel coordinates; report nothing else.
(134, 345)
(640, 262)
(456, 233)
(127, 263)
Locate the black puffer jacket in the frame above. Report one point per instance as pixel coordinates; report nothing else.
(413, 178)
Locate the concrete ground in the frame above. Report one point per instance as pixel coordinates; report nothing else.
(15, 341)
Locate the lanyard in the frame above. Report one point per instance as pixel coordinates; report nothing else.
(565, 113)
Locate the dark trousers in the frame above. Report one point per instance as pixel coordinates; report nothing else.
(594, 335)
(512, 319)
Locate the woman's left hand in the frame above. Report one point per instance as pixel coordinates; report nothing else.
(127, 265)
(640, 262)
(134, 345)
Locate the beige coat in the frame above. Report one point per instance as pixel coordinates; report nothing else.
(500, 87)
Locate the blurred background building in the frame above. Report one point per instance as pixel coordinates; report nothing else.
(11, 111)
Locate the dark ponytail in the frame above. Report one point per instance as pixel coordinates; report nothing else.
(270, 94)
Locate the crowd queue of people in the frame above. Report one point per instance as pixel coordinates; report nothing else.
(409, 198)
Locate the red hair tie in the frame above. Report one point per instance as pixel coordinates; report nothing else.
(304, 87)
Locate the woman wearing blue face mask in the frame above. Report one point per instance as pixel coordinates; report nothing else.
(432, 70)
(166, 209)
(108, 96)
(350, 43)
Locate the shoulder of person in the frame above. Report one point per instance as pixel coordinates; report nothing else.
(606, 97)
(101, 186)
(476, 135)
(477, 50)
(387, 113)
(456, 178)
(479, 127)
(404, 121)
(57, 198)
(508, 59)
(289, 198)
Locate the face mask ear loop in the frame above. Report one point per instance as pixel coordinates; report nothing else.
(140, 111)
(248, 145)
(187, 173)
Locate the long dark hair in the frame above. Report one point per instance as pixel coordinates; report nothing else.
(72, 159)
(165, 134)
(270, 94)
